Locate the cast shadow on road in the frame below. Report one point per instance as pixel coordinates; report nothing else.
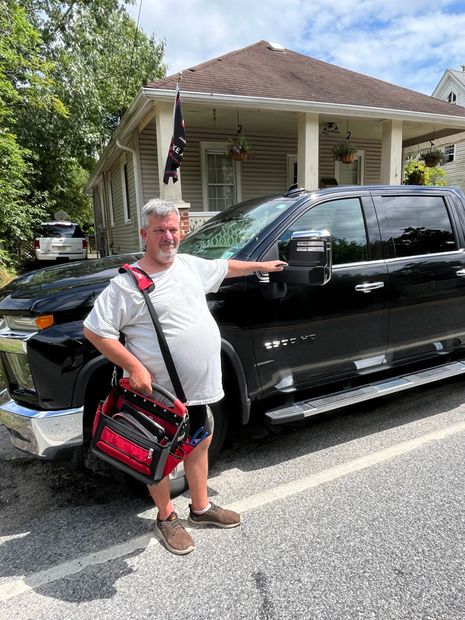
(255, 447)
(83, 516)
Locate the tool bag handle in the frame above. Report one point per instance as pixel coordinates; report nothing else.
(145, 284)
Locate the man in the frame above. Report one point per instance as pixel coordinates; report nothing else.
(181, 283)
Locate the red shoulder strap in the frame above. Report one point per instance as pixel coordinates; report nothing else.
(143, 280)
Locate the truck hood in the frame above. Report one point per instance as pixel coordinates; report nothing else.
(61, 287)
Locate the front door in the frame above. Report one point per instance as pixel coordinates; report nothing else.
(321, 333)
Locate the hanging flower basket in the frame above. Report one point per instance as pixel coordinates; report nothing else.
(240, 155)
(415, 176)
(432, 158)
(345, 152)
(238, 148)
(348, 158)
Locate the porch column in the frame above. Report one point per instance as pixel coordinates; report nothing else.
(308, 151)
(172, 191)
(391, 153)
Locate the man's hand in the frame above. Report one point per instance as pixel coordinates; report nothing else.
(141, 380)
(238, 268)
(271, 265)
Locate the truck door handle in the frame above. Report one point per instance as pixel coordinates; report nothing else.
(368, 287)
(461, 273)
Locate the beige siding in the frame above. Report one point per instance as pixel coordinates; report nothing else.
(372, 159)
(455, 171)
(124, 236)
(264, 173)
(149, 163)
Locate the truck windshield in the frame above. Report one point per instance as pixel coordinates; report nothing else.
(227, 233)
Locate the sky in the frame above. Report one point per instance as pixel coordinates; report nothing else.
(405, 42)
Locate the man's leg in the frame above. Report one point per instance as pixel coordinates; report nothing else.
(196, 468)
(203, 513)
(161, 496)
(168, 526)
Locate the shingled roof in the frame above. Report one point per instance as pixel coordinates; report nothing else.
(260, 71)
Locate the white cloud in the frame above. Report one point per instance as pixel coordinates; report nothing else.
(406, 43)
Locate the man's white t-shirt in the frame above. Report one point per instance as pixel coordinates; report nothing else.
(191, 332)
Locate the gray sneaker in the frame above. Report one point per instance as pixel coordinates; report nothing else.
(214, 517)
(174, 536)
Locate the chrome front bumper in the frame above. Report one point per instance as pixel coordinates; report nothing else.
(42, 433)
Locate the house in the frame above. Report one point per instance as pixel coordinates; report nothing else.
(292, 108)
(451, 88)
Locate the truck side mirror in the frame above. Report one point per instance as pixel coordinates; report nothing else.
(310, 259)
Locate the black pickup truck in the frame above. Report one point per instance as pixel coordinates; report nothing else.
(372, 303)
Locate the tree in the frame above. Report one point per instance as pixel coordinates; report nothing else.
(25, 79)
(68, 71)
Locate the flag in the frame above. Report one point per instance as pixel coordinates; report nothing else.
(178, 142)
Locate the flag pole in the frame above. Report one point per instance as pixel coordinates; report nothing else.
(178, 141)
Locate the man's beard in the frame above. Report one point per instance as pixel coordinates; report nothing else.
(166, 255)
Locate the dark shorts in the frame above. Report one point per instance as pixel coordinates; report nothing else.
(197, 418)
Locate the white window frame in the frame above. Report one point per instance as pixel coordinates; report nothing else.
(452, 97)
(110, 200)
(291, 163)
(451, 153)
(102, 204)
(124, 192)
(216, 147)
(338, 165)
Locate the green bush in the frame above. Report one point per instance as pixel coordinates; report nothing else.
(417, 173)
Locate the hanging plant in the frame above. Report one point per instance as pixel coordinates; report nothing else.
(433, 157)
(414, 173)
(345, 152)
(238, 148)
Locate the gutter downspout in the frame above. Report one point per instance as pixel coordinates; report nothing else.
(138, 184)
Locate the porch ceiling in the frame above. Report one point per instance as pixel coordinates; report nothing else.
(285, 122)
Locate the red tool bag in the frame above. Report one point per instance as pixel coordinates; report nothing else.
(145, 436)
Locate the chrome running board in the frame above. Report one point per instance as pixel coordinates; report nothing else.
(336, 400)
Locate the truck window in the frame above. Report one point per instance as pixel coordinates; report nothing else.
(416, 225)
(344, 220)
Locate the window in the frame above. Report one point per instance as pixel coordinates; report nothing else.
(452, 97)
(449, 153)
(125, 188)
(344, 220)
(417, 225)
(68, 230)
(102, 204)
(350, 174)
(221, 180)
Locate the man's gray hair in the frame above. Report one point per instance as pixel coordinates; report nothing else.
(159, 208)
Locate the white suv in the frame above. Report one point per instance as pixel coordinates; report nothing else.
(60, 240)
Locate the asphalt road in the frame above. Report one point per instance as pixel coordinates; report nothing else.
(354, 515)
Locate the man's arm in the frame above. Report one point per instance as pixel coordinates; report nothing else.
(139, 377)
(238, 268)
